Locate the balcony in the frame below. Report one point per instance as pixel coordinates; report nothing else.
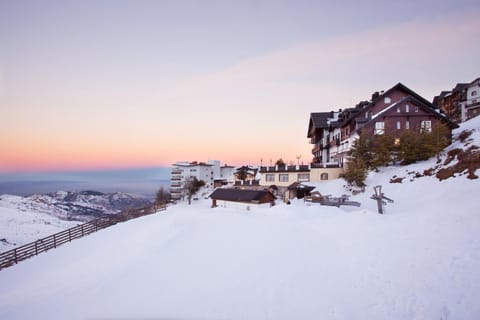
(325, 165)
(285, 168)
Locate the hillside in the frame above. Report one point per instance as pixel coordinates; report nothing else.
(20, 226)
(420, 260)
(26, 219)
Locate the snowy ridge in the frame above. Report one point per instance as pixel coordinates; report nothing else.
(420, 260)
(26, 219)
(82, 206)
(18, 227)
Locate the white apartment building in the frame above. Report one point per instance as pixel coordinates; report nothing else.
(208, 172)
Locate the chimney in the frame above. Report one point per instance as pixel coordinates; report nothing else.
(375, 95)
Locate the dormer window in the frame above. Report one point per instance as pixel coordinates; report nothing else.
(387, 100)
(407, 108)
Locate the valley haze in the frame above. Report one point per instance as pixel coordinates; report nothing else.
(144, 181)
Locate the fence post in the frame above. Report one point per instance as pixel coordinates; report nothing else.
(70, 235)
(81, 227)
(15, 255)
(54, 241)
(36, 248)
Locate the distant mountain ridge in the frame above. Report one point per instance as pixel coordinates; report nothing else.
(72, 205)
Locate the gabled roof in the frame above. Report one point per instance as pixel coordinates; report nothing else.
(401, 86)
(240, 195)
(442, 95)
(421, 105)
(300, 186)
(460, 86)
(319, 120)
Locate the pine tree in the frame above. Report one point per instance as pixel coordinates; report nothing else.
(408, 150)
(356, 173)
(432, 143)
(383, 147)
(361, 149)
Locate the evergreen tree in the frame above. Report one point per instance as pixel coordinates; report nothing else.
(432, 143)
(408, 150)
(280, 163)
(242, 173)
(356, 172)
(383, 148)
(361, 149)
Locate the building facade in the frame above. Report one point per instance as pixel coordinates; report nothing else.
(387, 112)
(284, 176)
(210, 173)
(461, 103)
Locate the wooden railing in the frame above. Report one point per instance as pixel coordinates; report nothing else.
(11, 257)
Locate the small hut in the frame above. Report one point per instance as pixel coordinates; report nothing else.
(298, 190)
(242, 196)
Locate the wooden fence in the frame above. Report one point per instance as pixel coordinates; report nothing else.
(11, 257)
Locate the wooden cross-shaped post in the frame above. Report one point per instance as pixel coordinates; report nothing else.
(380, 197)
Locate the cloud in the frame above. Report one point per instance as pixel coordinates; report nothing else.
(417, 52)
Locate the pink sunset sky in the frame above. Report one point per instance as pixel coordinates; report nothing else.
(125, 84)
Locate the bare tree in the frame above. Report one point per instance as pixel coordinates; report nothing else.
(191, 186)
(161, 197)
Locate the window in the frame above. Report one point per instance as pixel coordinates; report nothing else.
(416, 109)
(426, 126)
(324, 176)
(283, 177)
(387, 100)
(399, 125)
(407, 108)
(270, 177)
(397, 141)
(379, 127)
(474, 93)
(398, 110)
(303, 177)
(407, 125)
(367, 115)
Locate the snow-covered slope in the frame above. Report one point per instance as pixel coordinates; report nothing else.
(420, 260)
(18, 227)
(83, 205)
(26, 219)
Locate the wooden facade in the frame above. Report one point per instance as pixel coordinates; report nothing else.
(390, 112)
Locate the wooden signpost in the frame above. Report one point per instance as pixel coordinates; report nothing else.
(380, 197)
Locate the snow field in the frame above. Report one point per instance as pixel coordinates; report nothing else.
(420, 260)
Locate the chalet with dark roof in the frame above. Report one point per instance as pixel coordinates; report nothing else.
(461, 103)
(388, 112)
